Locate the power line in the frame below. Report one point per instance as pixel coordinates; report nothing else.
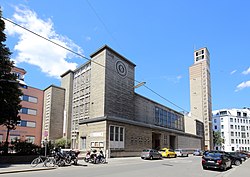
(100, 19)
(68, 49)
(82, 56)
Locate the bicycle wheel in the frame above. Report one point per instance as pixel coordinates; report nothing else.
(36, 161)
(50, 162)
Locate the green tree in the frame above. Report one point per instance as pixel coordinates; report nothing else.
(9, 88)
(217, 138)
(62, 143)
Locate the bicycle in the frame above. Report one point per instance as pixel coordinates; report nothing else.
(46, 161)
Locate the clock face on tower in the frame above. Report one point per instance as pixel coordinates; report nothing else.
(121, 68)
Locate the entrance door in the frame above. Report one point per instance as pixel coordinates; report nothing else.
(156, 140)
(172, 141)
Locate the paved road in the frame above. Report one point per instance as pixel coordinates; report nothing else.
(135, 167)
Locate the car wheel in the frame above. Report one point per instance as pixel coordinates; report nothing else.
(204, 167)
(142, 157)
(187, 155)
(151, 157)
(168, 156)
(237, 162)
(175, 156)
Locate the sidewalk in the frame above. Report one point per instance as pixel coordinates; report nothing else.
(240, 171)
(16, 168)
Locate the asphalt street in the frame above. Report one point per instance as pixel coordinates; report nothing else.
(135, 167)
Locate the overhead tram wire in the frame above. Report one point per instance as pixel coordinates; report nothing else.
(82, 56)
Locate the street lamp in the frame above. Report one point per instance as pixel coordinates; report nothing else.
(140, 84)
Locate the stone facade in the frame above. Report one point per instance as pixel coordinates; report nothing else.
(53, 113)
(200, 93)
(67, 84)
(112, 117)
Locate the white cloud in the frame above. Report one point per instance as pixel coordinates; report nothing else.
(174, 79)
(179, 77)
(247, 71)
(234, 71)
(242, 86)
(34, 50)
(88, 38)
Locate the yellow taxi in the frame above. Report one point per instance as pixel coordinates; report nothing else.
(165, 152)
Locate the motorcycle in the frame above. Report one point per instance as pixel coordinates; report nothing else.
(90, 156)
(93, 157)
(66, 157)
(100, 158)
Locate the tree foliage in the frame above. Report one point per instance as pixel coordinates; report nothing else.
(62, 143)
(9, 88)
(217, 138)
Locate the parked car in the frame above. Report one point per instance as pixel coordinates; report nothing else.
(246, 153)
(165, 152)
(243, 157)
(181, 153)
(236, 160)
(150, 154)
(216, 160)
(198, 152)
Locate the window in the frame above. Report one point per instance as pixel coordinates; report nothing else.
(232, 141)
(215, 127)
(117, 134)
(232, 133)
(30, 139)
(231, 119)
(231, 126)
(83, 142)
(232, 148)
(221, 119)
(222, 134)
(14, 138)
(222, 126)
(28, 111)
(215, 120)
(25, 123)
(111, 133)
(121, 134)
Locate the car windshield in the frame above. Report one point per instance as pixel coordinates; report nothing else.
(146, 150)
(162, 150)
(213, 154)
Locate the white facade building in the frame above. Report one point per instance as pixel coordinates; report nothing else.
(234, 125)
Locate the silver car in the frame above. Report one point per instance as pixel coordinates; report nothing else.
(181, 153)
(150, 154)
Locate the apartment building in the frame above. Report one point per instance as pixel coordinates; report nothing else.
(234, 125)
(30, 126)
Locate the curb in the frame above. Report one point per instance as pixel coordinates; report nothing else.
(27, 170)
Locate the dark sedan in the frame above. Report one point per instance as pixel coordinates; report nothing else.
(216, 160)
(236, 160)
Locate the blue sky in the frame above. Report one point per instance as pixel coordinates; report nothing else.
(158, 36)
